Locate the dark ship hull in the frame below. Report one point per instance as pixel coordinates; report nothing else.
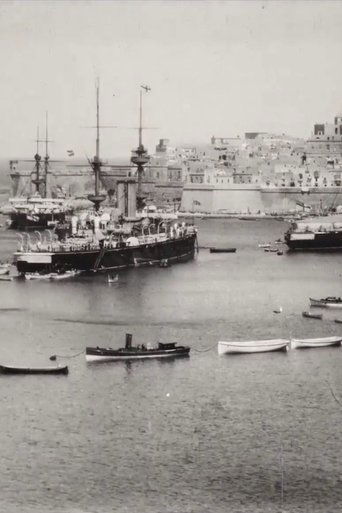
(97, 354)
(181, 249)
(35, 221)
(315, 241)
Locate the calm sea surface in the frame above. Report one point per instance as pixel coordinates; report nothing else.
(204, 434)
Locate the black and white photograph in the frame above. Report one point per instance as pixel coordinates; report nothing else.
(171, 256)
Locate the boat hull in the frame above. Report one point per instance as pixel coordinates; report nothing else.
(4, 369)
(181, 249)
(107, 355)
(257, 346)
(22, 221)
(314, 241)
(222, 250)
(310, 315)
(324, 304)
(315, 342)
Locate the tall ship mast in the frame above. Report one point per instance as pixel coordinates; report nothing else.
(140, 156)
(96, 163)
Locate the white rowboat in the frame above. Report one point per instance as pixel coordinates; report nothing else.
(253, 346)
(297, 343)
(65, 275)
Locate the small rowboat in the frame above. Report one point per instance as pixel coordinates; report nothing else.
(312, 315)
(5, 369)
(113, 278)
(37, 276)
(328, 302)
(303, 343)
(222, 250)
(253, 346)
(5, 269)
(65, 275)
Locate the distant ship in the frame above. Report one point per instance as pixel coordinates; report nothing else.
(314, 236)
(37, 210)
(99, 243)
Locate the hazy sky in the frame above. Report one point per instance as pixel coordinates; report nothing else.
(215, 68)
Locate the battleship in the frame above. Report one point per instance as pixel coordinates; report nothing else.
(130, 236)
(37, 210)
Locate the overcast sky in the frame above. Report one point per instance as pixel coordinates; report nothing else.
(215, 68)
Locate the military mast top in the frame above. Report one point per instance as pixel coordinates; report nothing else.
(37, 180)
(140, 156)
(97, 198)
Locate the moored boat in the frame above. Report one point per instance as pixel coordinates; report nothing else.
(64, 276)
(222, 250)
(37, 276)
(311, 315)
(252, 346)
(4, 269)
(297, 343)
(6, 369)
(113, 278)
(328, 302)
(129, 352)
(314, 236)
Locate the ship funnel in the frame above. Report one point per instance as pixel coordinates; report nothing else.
(128, 341)
(127, 197)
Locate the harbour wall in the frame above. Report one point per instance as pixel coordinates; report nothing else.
(251, 198)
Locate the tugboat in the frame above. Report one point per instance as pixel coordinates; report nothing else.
(129, 352)
(118, 241)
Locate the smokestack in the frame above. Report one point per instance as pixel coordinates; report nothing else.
(128, 341)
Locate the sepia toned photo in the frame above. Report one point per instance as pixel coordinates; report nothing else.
(171, 256)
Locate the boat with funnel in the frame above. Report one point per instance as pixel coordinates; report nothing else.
(128, 237)
(130, 352)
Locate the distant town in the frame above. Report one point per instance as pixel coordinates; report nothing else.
(255, 172)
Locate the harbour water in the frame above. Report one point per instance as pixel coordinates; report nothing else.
(242, 434)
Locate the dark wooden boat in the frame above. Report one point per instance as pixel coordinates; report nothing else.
(222, 250)
(5, 369)
(129, 352)
(312, 315)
